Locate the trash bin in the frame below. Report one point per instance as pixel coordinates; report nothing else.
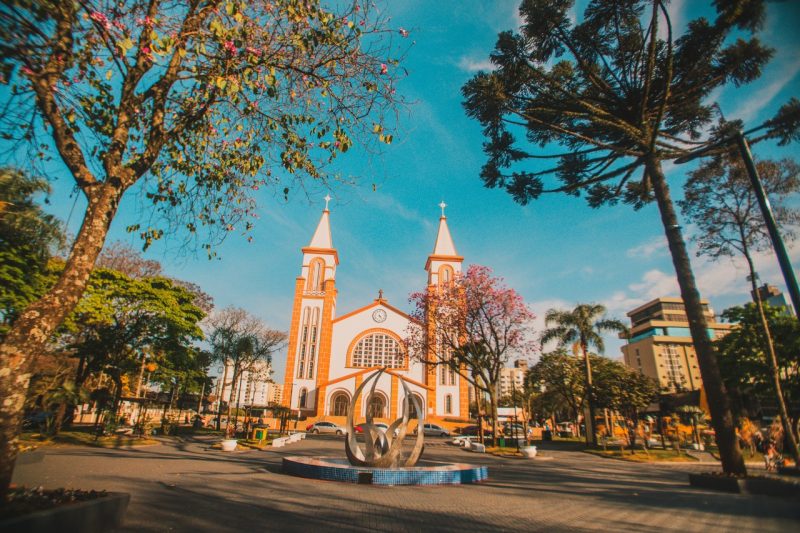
(547, 435)
(502, 442)
(260, 434)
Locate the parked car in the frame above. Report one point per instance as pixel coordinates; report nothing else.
(433, 430)
(511, 430)
(472, 431)
(360, 429)
(326, 427)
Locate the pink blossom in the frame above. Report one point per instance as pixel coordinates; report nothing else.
(384, 68)
(27, 71)
(146, 50)
(254, 51)
(100, 18)
(403, 32)
(230, 47)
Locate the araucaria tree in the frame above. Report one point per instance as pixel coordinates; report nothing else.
(470, 326)
(720, 201)
(197, 104)
(583, 326)
(606, 100)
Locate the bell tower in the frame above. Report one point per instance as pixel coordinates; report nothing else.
(309, 350)
(450, 394)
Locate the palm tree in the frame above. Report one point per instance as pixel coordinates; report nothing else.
(581, 326)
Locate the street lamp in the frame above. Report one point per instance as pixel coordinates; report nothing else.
(763, 203)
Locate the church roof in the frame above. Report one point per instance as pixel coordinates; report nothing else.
(444, 242)
(322, 236)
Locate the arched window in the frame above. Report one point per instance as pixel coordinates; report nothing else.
(448, 404)
(303, 398)
(377, 406)
(378, 349)
(445, 274)
(340, 404)
(307, 351)
(315, 277)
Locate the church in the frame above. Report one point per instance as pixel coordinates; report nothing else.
(330, 354)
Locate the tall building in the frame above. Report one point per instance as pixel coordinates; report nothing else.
(515, 375)
(252, 386)
(660, 344)
(774, 297)
(330, 354)
(274, 393)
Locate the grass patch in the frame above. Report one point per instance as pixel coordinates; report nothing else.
(31, 441)
(640, 456)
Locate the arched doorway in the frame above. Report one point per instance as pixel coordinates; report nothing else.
(340, 403)
(377, 406)
(412, 413)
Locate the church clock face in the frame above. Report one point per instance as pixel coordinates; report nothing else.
(379, 315)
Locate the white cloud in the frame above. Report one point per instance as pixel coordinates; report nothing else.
(658, 245)
(470, 64)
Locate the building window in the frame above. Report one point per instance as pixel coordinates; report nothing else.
(412, 411)
(445, 275)
(377, 406)
(340, 404)
(303, 398)
(378, 349)
(315, 270)
(308, 343)
(448, 404)
(674, 371)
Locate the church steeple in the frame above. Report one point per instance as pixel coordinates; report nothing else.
(444, 242)
(444, 262)
(322, 236)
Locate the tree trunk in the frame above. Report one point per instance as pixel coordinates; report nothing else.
(234, 383)
(718, 402)
(493, 401)
(31, 331)
(772, 359)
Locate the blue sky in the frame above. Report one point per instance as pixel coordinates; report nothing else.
(556, 252)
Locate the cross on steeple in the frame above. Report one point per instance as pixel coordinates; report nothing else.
(327, 199)
(442, 205)
(380, 294)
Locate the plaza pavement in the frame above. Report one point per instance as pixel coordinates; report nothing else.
(187, 486)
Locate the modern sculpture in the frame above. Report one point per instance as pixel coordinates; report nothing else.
(383, 447)
(382, 461)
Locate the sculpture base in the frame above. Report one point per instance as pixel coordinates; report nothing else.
(425, 473)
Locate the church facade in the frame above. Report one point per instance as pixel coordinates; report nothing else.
(330, 354)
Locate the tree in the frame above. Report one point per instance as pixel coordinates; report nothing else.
(470, 327)
(719, 199)
(581, 325)
(198, 104)
(242, 342)
(28, 237)
(745, 365)
(626, 391)
(561, 377)
(119, 319)
(620, 93)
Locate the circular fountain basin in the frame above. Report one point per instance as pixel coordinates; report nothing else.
(425, 473)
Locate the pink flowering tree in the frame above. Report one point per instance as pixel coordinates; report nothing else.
(194, 106)
(471, 327)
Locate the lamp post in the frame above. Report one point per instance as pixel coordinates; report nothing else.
(763, 203)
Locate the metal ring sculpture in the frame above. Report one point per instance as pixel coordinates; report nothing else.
(383, 448)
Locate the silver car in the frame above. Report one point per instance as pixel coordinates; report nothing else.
(326, 427)
(434, 430)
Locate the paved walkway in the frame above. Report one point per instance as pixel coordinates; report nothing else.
(189, 487)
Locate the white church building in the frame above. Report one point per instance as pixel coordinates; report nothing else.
(330, 353)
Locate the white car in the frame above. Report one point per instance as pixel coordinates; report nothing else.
(326, 427)
(434, 430)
